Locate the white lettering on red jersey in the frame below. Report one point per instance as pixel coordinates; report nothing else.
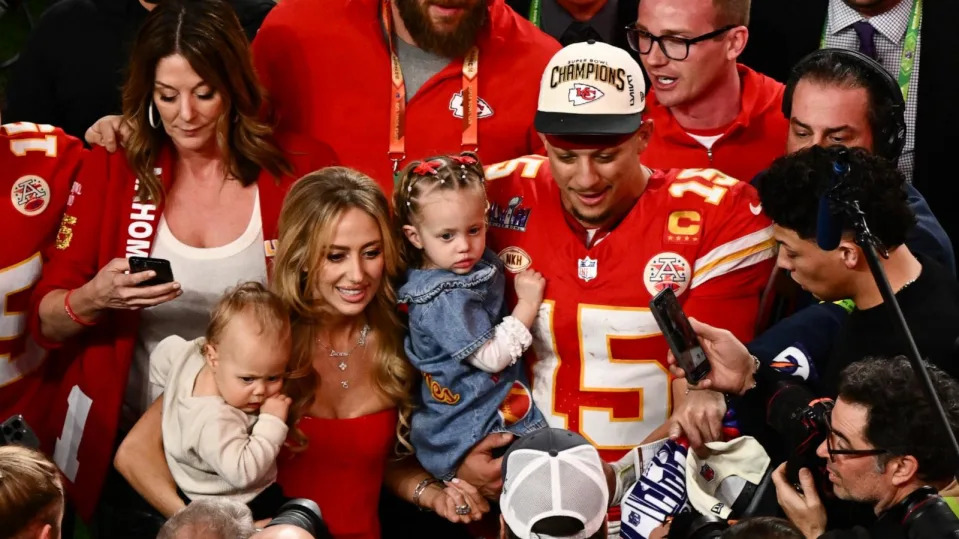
(598, 365)
(37, 166)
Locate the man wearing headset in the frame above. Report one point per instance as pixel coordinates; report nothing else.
(833, 97)
(837, 96)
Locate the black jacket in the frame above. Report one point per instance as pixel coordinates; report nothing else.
(921, 515)
(782, 32)
(625, 15)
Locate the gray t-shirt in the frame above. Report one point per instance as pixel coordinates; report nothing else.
(418, 65)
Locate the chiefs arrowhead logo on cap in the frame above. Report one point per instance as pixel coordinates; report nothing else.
(581, 94)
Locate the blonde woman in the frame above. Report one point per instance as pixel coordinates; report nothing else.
(351, 387)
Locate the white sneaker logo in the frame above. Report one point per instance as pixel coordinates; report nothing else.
(756, 208)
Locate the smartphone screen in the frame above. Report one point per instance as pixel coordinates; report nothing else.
(164, 274)
(680, 335)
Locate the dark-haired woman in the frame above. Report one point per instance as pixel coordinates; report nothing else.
(200, 183)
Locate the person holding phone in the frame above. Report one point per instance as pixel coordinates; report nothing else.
(199, 183)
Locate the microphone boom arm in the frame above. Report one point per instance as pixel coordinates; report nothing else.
(872, 247)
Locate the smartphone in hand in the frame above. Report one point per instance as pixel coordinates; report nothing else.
(164, 273)
(680, 335)
(16, 431)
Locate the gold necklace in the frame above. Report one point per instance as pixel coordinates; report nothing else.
(344, 356)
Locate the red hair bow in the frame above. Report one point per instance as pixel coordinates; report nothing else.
(428, 167)
(464, 159)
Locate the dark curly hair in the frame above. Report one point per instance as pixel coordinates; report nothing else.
(790, 190)
(900, 419)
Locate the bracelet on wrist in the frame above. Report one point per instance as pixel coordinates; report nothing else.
(752, 374)
(69, 310)
(420, 488)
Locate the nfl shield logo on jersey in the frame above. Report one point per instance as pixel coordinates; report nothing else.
(587, 268)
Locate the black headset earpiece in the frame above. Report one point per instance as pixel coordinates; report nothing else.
(892, 137)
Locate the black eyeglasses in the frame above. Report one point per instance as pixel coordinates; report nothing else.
(848, 453)
(674, 47)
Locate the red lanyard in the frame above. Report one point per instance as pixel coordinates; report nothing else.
(397, 152)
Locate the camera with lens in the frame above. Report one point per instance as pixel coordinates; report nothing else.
(304, 514)
(695, 525)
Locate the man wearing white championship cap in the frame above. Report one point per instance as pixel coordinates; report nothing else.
(553, 486)
(608, 234)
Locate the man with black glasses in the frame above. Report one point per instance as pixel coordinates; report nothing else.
(887, 448)
(709, 111)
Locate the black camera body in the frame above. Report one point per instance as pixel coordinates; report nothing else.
(695, 525)
(304, 514)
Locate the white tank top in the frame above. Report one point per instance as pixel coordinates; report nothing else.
(203, 274)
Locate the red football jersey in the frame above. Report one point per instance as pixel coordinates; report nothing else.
(37, 167)
(599, 357)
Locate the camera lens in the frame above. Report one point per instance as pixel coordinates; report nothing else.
(304, 514)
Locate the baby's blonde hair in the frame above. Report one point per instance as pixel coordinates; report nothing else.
(266, 309)
(31, 491)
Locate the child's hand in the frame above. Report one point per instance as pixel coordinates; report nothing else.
(277, 405)
(529, 287)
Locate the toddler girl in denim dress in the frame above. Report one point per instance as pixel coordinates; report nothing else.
(460, 337)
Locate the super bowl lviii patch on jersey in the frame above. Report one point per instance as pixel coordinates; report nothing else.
(30, 195)
(513, 216)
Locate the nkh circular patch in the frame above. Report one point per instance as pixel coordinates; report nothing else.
(515, 259)
(30, 195)
(667, 270)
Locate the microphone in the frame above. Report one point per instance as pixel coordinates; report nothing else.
(829, 225)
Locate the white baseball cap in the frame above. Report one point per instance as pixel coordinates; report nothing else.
(591, 88)
(727, 478)
(553, 473)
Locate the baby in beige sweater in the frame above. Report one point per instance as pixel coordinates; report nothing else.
(224, 418)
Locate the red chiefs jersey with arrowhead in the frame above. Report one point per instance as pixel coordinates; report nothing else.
(598, 365)
(37, 167)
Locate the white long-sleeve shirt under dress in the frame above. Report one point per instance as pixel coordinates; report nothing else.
(212, 448)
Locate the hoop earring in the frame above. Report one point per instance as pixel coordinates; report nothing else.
(150, 115)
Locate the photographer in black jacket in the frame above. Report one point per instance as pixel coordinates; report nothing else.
(885, 447)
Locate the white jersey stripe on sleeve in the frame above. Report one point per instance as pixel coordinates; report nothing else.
(739, 253)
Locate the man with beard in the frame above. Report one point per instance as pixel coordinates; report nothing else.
(385, 81)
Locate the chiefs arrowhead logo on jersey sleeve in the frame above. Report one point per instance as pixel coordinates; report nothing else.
(456, 105)
(581, 94)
